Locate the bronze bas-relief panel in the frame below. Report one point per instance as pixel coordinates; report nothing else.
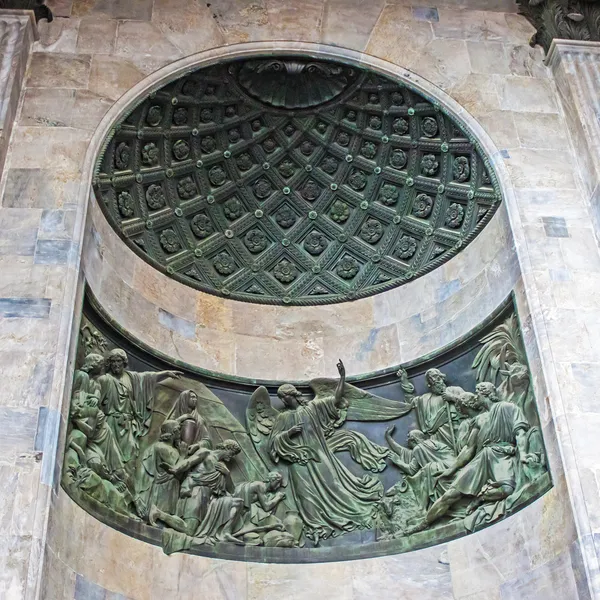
(293, 181)
(306, 472)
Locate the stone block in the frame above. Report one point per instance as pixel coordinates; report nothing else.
(88, 590)
(37, 188)
(56, 224)
(415, 575)
(240, 21)
(28, 377)
(526, 61)
(536, 203)
(18, 427)
(433, 63)
(151, 285)
(477, 93)
(61, 150)
(140, 10)
(398, 38)
(554, 579)
(47, 107)
(18, 231)
(183, 327)
(58, 36)
(53, 252)
(578, 251)
(541, 168)
(59, 70)
(21, 278)
(14, 560)
(470, 25)
(333, 580)
(136, 38)
(189, 26)
(59, 580)
(213, 312)
(219, 579)
(88, 109)
(60, 8)
(350, 23)
(500, 126)
(541, 131)
(488, 58)
(96, 35)
(19, 308)
(289, 20)
(111, 76)
(422, 13)
(525, 94)
(555, 226)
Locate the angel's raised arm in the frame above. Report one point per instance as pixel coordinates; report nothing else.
(339, 390)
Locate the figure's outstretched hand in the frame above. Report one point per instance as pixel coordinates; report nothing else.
(341, 369)
(402, 374)
(174, 374)
(390, 430)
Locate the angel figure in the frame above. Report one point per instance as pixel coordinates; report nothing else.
(330, 499)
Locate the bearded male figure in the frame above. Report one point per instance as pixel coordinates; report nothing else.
(421, 463)
(127, 399)
(436, 416)
(486, 468)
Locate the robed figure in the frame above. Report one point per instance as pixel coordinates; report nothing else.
(127, 400)
(330, 499)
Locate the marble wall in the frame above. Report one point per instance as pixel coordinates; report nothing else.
(542, 242)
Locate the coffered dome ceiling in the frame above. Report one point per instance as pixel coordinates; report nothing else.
(293, 181)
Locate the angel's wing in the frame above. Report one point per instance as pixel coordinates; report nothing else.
(362, 405)
(260, 415)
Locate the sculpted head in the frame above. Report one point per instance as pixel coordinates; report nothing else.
(469, 404)
(487, 392)
(415, 437)
(274, 480)
(170, 431)
(228, 448)
(93, 364)
(189, 399)
(518, 374)
(436, 381)
(290, 396)
(117, 361)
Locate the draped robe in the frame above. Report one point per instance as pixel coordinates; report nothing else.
(127, 403)
(432, 417)
(330, 499)
(496, 457)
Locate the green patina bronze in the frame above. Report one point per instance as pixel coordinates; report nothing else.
(280, 471)
(293, 181)
(562, 19)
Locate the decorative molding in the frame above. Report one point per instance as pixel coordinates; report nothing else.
(562, 19)
(335, 191)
